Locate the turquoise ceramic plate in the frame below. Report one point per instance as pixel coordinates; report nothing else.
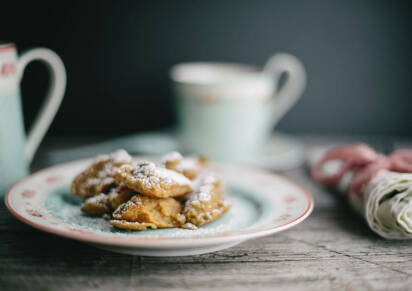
(264, 204)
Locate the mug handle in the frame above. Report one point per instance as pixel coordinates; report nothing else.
(295, 84)
(54, 95)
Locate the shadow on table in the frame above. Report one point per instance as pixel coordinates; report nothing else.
(338, 210)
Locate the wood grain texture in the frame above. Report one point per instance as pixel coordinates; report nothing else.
(332, 250)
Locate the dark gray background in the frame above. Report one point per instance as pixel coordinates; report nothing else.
(117, 54)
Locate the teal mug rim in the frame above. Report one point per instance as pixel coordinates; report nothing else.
(247, 72)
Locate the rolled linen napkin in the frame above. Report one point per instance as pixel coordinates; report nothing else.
(378, 186)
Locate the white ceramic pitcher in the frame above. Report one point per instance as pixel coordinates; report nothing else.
(17, 151)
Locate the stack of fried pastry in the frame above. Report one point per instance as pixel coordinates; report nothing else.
(134, 195)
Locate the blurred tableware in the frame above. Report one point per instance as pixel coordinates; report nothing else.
(264, 204)
(16, 151)
(281, 152)
(227, 111)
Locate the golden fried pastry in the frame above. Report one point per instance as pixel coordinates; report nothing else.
(105, 203)
(206, 203)
(148, 179)
(189, 166)
(118, 196)
(124, 224)
(96, 205)
(99, 177)
(140, 195)
(141, 212)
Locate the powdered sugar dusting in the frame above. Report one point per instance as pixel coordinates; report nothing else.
(191, 167)
(99, 176)
(189, 225)
(186, 164)
(204, 193)
(151, 176)
(172, 157)
(116, 158)
(202, 187)
(119, 156)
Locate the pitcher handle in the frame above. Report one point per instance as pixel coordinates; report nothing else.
(295, 84)
(53, 98)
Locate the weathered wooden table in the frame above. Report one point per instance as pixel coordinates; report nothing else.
(332, 250)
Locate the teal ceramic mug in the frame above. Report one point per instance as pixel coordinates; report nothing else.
(227, 111)
(17, 150)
